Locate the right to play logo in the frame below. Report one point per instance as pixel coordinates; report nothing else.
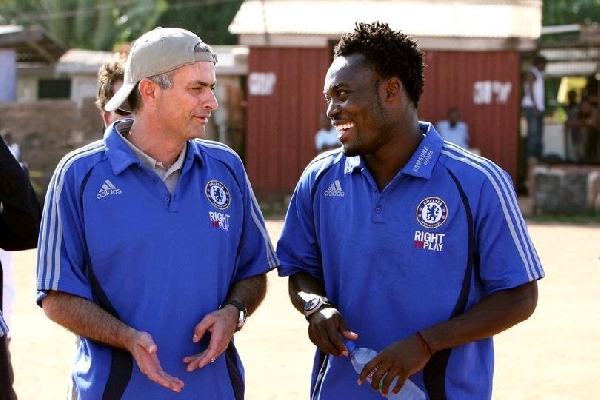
(429, 241)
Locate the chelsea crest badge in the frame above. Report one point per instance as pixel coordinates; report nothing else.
(432, 212)
(218, 194)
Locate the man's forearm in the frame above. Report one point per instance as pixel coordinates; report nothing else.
(494, 314)
(250, 292)
(301, 287)
(86, 318)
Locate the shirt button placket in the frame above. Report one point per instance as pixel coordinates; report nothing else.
(378, 213)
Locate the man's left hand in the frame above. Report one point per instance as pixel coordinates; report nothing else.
(400, 359)
(221, 324)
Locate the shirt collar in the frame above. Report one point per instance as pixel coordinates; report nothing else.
(122, 154)
(423, 159)
(152, 163)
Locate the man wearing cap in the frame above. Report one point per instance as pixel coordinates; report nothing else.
(153, 247)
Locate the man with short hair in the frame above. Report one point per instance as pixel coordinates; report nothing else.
(400, 242)
(110, 80)
(153, 247)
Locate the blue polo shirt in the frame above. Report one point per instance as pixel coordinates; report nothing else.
(394, 261)
(113, 234)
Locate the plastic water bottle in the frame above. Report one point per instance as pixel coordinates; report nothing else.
(360, 356)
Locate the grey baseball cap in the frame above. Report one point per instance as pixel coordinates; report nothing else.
(158, 51)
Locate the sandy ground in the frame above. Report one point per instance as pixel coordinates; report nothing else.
(553, 355)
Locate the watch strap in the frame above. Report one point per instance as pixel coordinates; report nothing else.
(324, 303)
(242, 309)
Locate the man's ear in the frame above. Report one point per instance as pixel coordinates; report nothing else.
(147, 90)
(393, 88)
(106, 118)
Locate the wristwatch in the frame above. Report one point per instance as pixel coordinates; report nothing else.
(315, 304)
(243, 312)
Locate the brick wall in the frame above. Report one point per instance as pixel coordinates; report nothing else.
(565, 189)
(48, 129)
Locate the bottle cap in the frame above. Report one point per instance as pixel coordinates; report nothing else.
(350, 345)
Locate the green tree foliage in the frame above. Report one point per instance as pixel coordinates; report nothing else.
(100, 24)
(564, 12)
(87, 24)
(209, 19)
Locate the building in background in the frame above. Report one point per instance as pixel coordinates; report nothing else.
(25, 51)
(473, 50)
(49, 93)
(561, 184)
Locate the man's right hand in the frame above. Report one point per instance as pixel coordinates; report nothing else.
(144, 351)
(324, 330)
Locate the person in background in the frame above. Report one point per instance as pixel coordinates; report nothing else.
(534, 106)
(19, 226)
(400, 242)
(326, 137)
(453, 129)
(110, 80)
(585, 122)
(573, 140)
(161, 251)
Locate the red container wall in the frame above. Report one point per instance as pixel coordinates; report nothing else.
(485, 86)
(285, 98)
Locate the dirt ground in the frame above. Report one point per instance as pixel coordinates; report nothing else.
(553, 355)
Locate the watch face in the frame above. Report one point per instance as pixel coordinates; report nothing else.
(312, 304)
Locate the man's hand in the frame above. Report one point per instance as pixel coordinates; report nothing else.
(400, 359)
(144, 352)
(324, 330)
(221, 324)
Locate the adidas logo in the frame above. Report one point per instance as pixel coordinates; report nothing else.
(107, 189)
(335, 190)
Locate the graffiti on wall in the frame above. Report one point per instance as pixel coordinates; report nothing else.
(491, 92)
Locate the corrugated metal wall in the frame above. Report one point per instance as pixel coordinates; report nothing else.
(285, 100)
(285, 97)
(485, 86)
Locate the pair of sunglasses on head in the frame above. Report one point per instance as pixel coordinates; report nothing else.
(121, 112)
